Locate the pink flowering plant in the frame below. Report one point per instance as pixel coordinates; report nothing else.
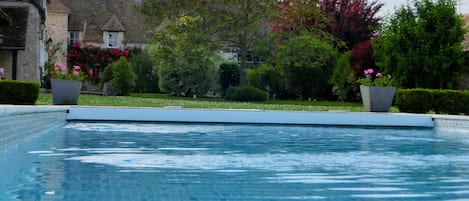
(375, 79)
(63, 72)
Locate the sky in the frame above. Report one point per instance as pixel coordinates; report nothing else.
(389, 5)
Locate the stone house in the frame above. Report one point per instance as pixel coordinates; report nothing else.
(22, 31)
(102, 23)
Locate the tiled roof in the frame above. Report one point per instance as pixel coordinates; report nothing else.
(57, 6)
(97, 15)
(113, 25)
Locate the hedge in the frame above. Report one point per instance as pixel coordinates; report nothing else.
(18, 92)
(439, 101)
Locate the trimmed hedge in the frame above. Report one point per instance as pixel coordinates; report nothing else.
(18, 92)
(439, 101)
(245, 93)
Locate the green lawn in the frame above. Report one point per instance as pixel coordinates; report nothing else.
(162, 100)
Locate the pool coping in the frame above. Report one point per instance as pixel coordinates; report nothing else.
(180, 115)
(457, 123)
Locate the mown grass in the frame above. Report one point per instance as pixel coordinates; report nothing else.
(164, 100)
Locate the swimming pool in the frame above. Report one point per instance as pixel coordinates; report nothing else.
(132, 161)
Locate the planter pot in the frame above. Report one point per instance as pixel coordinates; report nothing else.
(377, 99)
(65, 92)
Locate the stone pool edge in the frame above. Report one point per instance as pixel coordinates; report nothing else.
(19, 122)
(179, 115)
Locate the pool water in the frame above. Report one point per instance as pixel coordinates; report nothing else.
(147, 162)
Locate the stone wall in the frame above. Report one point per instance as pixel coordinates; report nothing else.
(57, 30)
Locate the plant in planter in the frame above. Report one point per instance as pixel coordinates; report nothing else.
(376, 91)
(66, 84)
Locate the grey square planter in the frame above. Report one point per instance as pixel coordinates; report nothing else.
(377, 99)
(65, 92)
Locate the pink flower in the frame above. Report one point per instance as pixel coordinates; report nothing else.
(368, 71)
(75, 73)
(63, 68)
(378, 74)
(76, 67)
(58, 65)
(2, 71)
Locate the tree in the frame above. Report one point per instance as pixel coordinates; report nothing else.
(147, 74)
(234, 24)
(184, 59)
(351, 21)
(307, 63)
(298, 17)
(421, 46)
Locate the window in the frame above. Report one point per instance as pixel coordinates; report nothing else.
(113, 40)
(73, 37)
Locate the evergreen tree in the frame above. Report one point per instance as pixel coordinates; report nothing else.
(421, 45)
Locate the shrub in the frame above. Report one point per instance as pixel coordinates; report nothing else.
(270, 79)
(18, 92)
(187, 79)
(229, 76)
(307, 63)
(147, 74)
(246, 93)
(94, 60)
(343, 79)
(120, 76)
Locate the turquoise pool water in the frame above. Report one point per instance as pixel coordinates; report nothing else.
(146, 162)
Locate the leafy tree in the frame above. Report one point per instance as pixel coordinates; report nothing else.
(343, 79)
(183, 59)
(307, 64)
(234, 25)
(147, 74)
(421, 46)
(351, 21)
(361, 58)
(298, 17)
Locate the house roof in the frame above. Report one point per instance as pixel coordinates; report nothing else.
(95, 16)
(113, 25)
(57, 6)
